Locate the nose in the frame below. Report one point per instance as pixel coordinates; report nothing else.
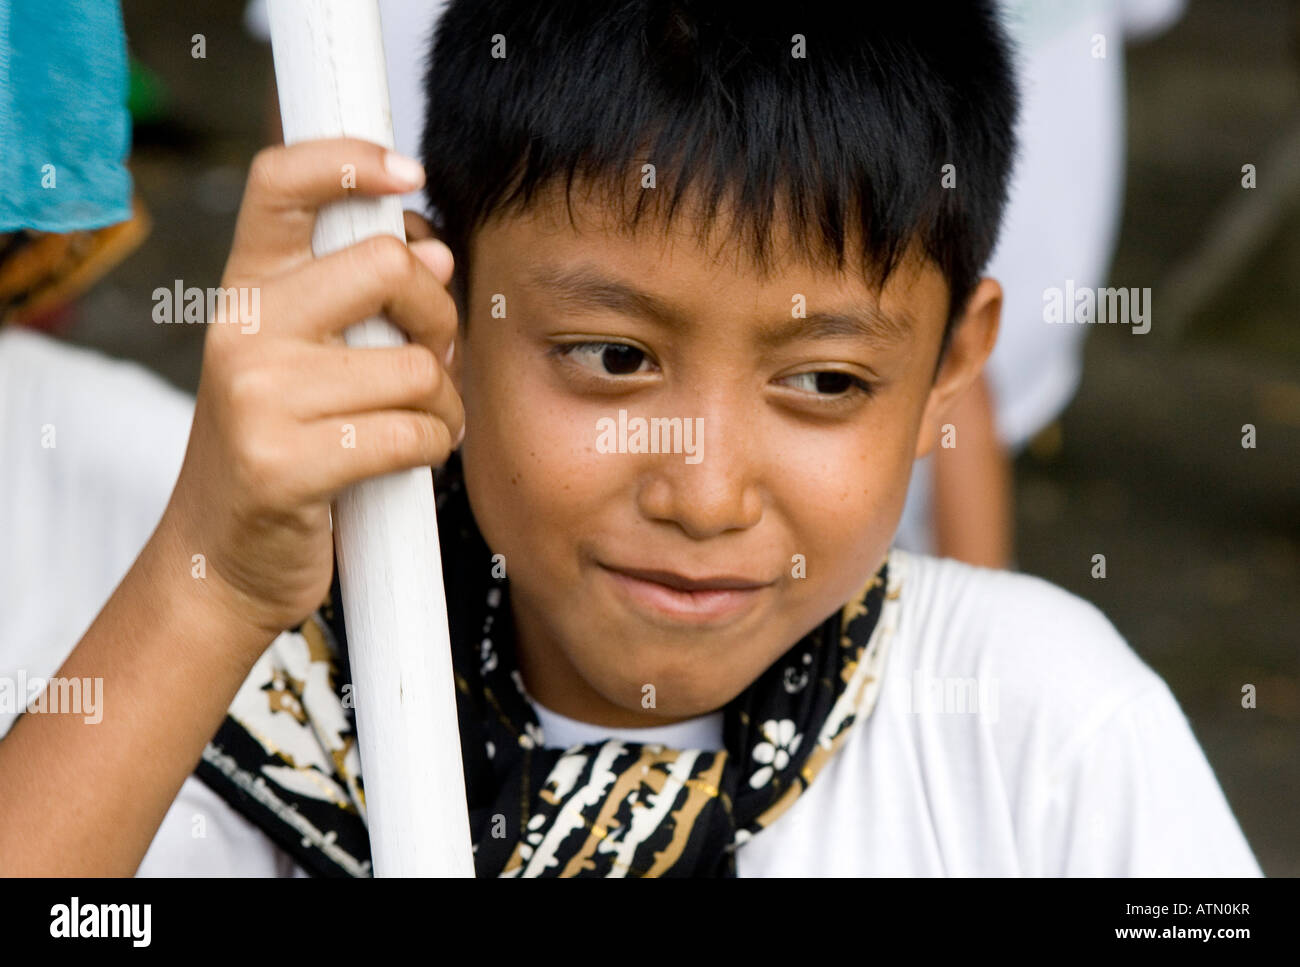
(719, 493)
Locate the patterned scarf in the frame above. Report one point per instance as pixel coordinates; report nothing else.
(286, 755)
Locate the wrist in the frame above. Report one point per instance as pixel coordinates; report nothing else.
(205, 610)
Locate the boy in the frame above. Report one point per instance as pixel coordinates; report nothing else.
(690, 409)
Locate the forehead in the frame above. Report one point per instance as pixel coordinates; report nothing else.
(693, 256)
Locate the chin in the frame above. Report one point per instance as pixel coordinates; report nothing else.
(678, 692)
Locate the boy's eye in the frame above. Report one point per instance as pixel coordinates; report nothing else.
(607, 358)
(828, 383)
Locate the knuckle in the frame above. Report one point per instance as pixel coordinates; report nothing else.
(418, 367)
(256, 462)
(248, 388)
(405, 436)
(418, 438)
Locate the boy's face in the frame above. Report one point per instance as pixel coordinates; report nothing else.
(689, 571)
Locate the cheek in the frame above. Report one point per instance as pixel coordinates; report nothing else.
(530, 458)
(844, 502)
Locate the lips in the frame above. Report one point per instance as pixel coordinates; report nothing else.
(681, 583)
(679, 598)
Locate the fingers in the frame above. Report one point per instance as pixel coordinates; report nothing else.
(431, 250)
(356, 412)
(346, 449)
(309, 419)
(333, 381)
(287, 184)
(379, 275)
(436, 256)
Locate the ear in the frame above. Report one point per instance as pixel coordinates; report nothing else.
(973, 335)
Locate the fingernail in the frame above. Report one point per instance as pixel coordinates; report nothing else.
(404, 169)
(459, 439)
(450, 354)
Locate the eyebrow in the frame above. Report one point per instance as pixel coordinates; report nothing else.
(586, 288)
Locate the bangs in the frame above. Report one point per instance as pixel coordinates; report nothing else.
(830, 126)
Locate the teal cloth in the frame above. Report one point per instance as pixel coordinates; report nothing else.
(63, 88)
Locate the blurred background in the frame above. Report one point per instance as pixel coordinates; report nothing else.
(1201, 536)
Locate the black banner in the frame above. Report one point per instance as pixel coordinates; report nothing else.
(331, 917)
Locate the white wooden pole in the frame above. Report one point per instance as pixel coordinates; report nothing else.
(330, 71)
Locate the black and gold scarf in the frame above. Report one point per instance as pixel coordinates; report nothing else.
(286, 755)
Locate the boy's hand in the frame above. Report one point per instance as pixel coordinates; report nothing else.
(286, 414)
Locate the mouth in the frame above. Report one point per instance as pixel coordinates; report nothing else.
(679, 599)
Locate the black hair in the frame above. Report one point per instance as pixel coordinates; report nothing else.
(847, 141)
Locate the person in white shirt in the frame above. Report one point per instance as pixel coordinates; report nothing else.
(665, 666)
(1016, 734)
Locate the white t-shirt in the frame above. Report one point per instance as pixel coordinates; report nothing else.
(1046, 748)
(90, 448)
